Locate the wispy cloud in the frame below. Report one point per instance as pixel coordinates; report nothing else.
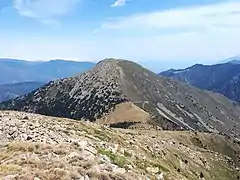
(208, 32)
(203, 17)
(118, 3)
(44, 10)
(204, 34)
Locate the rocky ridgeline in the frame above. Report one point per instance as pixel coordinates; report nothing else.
(171, 105)
(38, 147)
(88, 96)
(174, 105)
(223, 78)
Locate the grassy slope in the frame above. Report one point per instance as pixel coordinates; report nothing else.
(175, 155)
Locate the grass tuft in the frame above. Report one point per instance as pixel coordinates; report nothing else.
(127, 154)
(116, 159)
(22, 146)
(9, 168)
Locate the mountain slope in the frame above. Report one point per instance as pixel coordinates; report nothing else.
(221, 78)
(10, 91)
(15, 71)
(164, 103)
(41, 147)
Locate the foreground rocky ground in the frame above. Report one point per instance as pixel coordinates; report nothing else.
(35, 147)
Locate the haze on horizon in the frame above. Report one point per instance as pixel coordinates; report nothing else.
(151, 32)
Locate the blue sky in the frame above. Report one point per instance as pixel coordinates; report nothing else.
(173, 32)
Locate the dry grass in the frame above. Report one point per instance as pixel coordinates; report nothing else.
(125, 112)
(9, 168)
(22, 146)
(140, 152)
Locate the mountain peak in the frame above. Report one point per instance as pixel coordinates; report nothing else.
(122, 93)
(113, 61)
(197, 65)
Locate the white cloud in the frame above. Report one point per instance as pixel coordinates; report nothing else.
(201, 18)
(118, 3)
(44, 10)
(201, 33)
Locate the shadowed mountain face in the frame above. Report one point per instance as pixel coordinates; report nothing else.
(221, 78)
(15, 71)
(99, 92)
(11, 91)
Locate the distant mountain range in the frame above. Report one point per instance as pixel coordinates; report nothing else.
(232, 60)
(222, 78)
(17, 71)
(121, 93)
(10, 91)
(19, 77)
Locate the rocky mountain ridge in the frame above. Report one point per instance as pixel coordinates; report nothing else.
(11, 91)
(222, 78)
(159, 102)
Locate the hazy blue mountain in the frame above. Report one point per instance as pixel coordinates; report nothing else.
(10, 91)
(16, 71)
(232, 60)
(223, 78)
(163, 65)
